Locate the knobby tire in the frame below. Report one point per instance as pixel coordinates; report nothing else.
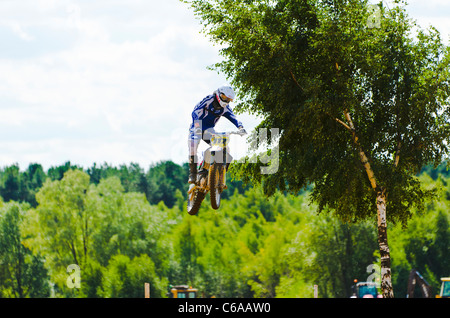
(196, 202)
(216, 177)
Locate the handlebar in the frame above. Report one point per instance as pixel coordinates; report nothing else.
(229, 133)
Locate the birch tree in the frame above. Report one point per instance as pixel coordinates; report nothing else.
(361, 101)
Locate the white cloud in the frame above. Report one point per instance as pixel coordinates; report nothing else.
(17, 29)
(426, 13)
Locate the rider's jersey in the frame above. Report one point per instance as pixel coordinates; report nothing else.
(205, 112)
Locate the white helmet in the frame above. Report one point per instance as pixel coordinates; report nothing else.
(225, 95)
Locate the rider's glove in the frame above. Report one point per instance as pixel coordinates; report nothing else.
(242, 131)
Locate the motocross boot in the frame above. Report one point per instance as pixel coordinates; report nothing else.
(192, 169)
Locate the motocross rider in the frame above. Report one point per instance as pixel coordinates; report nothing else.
(204, 118)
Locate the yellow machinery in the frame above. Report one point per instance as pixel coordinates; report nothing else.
(183, 291)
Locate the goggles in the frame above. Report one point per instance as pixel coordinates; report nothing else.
(225, 98)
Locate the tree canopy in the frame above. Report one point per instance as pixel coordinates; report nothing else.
(334, 86)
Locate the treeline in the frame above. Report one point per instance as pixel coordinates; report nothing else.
(160, 182)
(251, 247)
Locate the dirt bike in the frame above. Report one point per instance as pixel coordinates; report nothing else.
(211, 176)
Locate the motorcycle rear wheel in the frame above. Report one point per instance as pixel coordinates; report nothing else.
(194, 205)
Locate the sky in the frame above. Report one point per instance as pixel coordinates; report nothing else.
(113, 81)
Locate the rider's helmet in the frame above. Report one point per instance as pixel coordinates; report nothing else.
(225, 95)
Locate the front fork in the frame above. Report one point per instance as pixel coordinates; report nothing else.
(223, 164)
(208, 159)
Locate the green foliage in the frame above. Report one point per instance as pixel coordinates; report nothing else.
(64, 227)
(160, 183)
(123, 278)
(21, 186)
(424, 243)
(342, 248)
(22, 274)
(252, 247)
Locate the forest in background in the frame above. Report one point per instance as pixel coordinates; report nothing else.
(124, 226)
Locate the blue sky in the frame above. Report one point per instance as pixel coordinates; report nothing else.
(111, 81)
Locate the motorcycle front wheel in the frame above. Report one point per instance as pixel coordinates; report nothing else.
(216, 179)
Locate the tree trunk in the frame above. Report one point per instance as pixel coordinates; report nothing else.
(386, 282)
